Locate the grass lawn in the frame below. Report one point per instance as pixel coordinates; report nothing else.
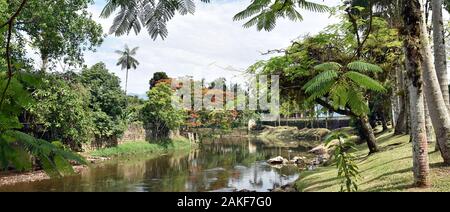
(142, 147)
(389, 170)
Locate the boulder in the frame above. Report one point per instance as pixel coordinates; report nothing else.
(298, 160)
(252, 125)
(319, 150)
(277, 161)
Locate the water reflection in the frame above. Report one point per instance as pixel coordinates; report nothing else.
(218, 165)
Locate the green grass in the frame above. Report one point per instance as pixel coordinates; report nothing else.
(389, 170)
(142, 147)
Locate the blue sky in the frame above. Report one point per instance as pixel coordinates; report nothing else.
(207, 44)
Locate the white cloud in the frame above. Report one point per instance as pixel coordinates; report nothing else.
(196, 41)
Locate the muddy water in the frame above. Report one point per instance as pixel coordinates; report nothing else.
(218, 165)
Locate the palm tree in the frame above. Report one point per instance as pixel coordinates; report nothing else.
(413, 34)
(440, 54)
(127, 61)
(342, 88)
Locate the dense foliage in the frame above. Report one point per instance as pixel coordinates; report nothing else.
(107, 102)
(159, 115)
(61, 113)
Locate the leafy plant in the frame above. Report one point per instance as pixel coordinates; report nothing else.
(107, 101)
(18, 149)
(347, 169)
(344, 86)
(159, 115)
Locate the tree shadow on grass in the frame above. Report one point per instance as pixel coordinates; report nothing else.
(398, 186)
(389, 162)
(394, 185)
(439, 165)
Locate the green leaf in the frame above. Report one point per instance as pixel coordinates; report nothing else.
(365, 81)
(318, 83)
(328, 66)
(364, 67)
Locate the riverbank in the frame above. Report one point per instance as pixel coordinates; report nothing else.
(141, 147)
(98, 156)
(389, 170)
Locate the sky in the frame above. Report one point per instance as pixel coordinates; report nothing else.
(207, 44)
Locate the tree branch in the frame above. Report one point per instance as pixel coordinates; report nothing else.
(14, 16)
(331, 108)
(10, 24)
(8, 60)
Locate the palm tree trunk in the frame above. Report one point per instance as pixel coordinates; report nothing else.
(435, 99)
(126, 83)
(400, 126)
(440, 54)
(413, 21)
(428, 123)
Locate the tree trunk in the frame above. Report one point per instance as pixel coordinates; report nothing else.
(126, 83)
(369, 135)
(435, 99)
(44, 59)
(440, 54)
(428, 123)
(400, 126)
(384, 121)
(413, 23)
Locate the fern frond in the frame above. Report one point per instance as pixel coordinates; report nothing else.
(339, 96)
(314, 7)
(357, 102)
(365, 81)
(186, 6)
(55, 161)
(254, 8)
(328, 66)
(315, 84)
(322, 90)
(364, 67)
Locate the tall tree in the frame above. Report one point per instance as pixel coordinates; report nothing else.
(127, 61)
(413, 33)
(60, 31)
(435, 100)
(440, 54)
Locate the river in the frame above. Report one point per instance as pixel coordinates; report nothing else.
(218, 165)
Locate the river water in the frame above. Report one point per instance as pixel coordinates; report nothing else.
(218, 165)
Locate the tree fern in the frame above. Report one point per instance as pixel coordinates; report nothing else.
(364, 67)
(365, 81)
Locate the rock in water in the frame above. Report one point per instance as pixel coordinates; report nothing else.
(277, 160)
(298, 160)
